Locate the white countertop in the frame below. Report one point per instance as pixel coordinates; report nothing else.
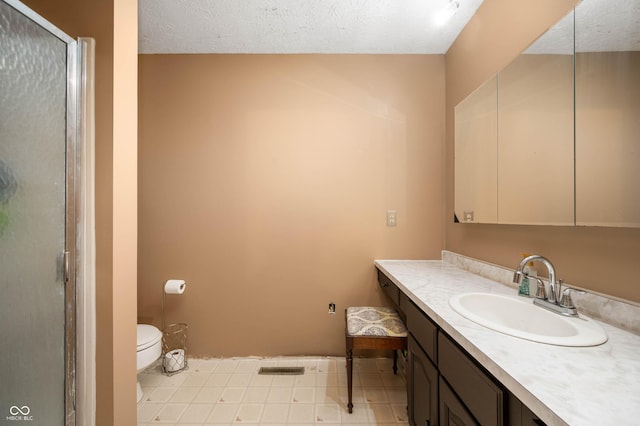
(574, 386)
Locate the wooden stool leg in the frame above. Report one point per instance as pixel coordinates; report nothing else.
(350, 378)
(395, 361)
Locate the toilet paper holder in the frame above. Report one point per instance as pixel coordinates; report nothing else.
(174, 336)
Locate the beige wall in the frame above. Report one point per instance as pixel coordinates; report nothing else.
(264, 183)
(125, 210)
(115, 208)
(600, 259)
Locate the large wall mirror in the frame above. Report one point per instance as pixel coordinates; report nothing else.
(544, 173)
(476, 164)
(608, 113)
(535, 132)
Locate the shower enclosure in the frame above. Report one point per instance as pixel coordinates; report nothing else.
(39, 195)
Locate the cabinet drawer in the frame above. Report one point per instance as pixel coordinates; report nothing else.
(422, 329)
(483, 398)
(389, 288)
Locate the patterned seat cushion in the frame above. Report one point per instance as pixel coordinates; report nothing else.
(374, 321)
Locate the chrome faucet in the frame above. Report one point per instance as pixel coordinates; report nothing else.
(558, 300)
(554, 290)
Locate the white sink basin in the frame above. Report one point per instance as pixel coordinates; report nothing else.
(519, 317)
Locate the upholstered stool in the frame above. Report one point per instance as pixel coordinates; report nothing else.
(373, 328)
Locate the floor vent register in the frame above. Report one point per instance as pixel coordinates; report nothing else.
(286, 371)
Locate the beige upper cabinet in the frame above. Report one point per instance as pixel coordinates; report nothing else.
(608, 113)
(543, 170)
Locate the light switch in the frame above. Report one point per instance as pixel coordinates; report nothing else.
(391, 218)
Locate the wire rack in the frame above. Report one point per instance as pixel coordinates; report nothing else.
(174, 344)
(174, 348)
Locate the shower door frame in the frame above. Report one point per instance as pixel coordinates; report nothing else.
(75, 207)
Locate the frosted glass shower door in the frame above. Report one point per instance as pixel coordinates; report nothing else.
(33, 215)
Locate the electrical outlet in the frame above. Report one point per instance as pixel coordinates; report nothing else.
(332, 308)
(391, 218)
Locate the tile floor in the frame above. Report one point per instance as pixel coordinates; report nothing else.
(230, 391)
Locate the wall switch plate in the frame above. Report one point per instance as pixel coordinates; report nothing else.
(391, 218)
(332, 308)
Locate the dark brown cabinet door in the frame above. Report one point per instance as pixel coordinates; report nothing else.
(423, 387)
(477, 390)
(520, 415)
(530, 419)
(452, 411)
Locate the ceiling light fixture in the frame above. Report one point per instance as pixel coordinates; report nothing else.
(443, 16)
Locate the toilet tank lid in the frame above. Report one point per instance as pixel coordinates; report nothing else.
(147, 335)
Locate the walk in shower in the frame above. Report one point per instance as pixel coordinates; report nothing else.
(41, 186)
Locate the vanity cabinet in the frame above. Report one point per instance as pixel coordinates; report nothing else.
(422, 387)
(400, 301)
(389, 288)
(445, 385)
(482, 396)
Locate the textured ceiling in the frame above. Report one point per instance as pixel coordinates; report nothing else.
(299, 26)
(600, 26)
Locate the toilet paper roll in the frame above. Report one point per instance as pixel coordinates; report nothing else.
(174, 360)
(175, 286)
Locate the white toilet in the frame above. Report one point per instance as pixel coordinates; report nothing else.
(149, 349)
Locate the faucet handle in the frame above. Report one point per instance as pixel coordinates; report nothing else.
(555, 290)
(566, 301)
(541, 290)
